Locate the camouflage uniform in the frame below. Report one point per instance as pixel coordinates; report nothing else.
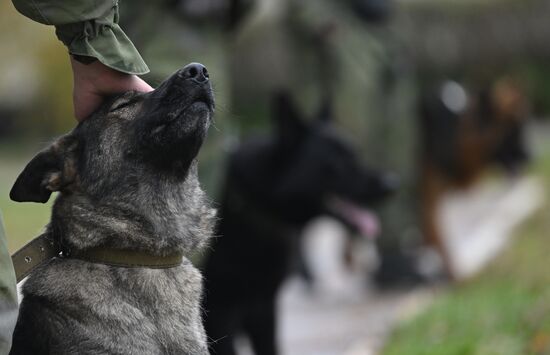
(8, 295)
(88, 28)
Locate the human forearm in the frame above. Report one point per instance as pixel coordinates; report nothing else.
(88, 28)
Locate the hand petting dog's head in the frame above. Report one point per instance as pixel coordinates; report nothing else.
(135, 155)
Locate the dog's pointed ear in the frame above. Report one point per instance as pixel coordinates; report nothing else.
(51, 170)
(289, 125)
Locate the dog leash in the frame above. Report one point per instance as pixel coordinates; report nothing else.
(41, 249)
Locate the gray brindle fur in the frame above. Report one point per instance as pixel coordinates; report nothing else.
(127, 178)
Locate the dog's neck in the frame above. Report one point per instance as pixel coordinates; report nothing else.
(238, 205)
(158, 224)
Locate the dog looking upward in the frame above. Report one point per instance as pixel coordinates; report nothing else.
(127, 178)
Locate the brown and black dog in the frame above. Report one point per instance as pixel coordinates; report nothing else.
(462, 136)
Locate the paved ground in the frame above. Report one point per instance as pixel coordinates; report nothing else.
(360, 321)
(314, 326)
(478, 223)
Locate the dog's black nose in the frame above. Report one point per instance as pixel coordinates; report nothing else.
(196, 72)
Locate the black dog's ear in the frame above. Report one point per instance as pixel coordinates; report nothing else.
(288, 123)
(51, 170)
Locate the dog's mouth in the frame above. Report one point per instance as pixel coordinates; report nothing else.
(200, 107)
(204, 97)
(202, 100)
(176, 125)
(365, 221)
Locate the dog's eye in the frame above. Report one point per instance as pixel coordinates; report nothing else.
(121, 104)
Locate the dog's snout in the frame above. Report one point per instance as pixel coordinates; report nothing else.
(195, 72)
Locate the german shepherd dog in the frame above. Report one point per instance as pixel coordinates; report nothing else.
(127, 178)
(463, 134)
(274, 186)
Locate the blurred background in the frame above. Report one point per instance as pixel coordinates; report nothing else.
(449, 97)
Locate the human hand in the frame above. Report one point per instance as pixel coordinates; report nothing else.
(92, 82)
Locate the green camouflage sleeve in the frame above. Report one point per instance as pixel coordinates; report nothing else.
(8, 295)
(88, 28)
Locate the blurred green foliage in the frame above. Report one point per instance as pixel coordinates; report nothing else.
(536, 77)
(36, 80)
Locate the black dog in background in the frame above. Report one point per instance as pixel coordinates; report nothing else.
(274, 186)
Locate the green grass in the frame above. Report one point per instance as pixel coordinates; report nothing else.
(22, 221)
(505, 310)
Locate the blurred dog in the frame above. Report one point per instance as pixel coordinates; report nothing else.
(274, 186)
(128, 185)
(463, 135)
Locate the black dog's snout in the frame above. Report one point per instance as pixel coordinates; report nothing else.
(196, 72)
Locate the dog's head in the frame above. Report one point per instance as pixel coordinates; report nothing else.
(133, 160)
(308, 169)
(466, 130)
